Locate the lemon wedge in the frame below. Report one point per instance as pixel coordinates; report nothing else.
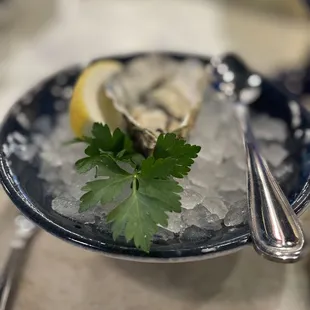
(89, 102)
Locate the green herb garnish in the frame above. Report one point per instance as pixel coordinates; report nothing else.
(154, 191)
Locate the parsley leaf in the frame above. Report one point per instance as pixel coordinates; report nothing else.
(169, 146)
(87, 163)
(160, 168)
(146, 207)
(105, 165)
(115, 143)
(153, 191)
(103, 191)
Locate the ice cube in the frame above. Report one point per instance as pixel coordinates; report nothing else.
(215, 206)
(240, 162)
(230, 184)
(68, 206)
(274, 153)
(201, 217)
(211, 222)
(164, 234)
(233, 196)
(25, 152)
(268, 129)
(211, 131)
(230, 177)
(194, 233)
(205, 191)
(208, 119)
(175, 223)
(193, 216)
(237, 214)
(190, 198)
(203, 173)
(185, 182)
(215, 151)
(234, 150)
(228, 169)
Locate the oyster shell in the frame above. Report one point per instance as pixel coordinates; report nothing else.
(156, 94)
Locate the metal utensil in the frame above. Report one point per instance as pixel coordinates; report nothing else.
(275, 229)
(25, 231)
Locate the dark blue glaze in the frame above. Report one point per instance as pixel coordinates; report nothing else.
(28, 193)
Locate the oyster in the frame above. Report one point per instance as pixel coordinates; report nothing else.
(157, 94)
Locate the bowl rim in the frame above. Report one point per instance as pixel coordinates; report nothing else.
(29, 209)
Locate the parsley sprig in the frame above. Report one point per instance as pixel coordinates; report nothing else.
(153, 189)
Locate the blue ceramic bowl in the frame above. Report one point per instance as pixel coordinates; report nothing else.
(21, 182)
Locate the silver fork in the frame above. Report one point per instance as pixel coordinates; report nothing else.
(24, 233)
(275, 230)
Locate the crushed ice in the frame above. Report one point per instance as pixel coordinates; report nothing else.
(214, 192)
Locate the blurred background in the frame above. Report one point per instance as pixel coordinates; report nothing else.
(38, 37)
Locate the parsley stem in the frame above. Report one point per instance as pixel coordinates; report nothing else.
(134, 183)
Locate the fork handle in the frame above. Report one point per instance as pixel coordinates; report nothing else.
(275, 228)
(9, 277)
(24, 234)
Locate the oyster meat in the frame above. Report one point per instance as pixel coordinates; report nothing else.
(157, 94)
